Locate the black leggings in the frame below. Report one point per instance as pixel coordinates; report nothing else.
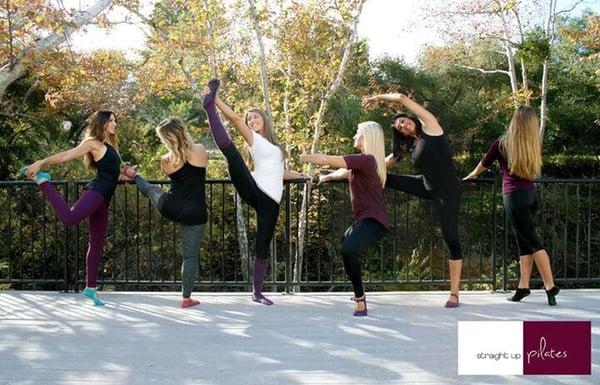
(267, 210)
(358, 238)
(446, 204)
(520, 207)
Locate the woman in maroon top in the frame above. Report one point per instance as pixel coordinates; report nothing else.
(519, 152)
(367, 173)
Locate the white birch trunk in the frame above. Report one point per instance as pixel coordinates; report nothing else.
(315, 145)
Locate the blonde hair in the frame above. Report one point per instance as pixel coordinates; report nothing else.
(374, 144)
(521, 144)
(269, 135)
(96, 130)
(175, 137)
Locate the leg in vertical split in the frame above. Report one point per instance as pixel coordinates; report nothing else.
(267, 212)
(220, 135)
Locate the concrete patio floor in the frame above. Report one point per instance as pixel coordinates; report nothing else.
(146, 338)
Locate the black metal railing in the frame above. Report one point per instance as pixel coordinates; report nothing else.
(33, 244)
(142, 249)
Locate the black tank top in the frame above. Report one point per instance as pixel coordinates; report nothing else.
(185, 202)
(432, 156)
(107, 175)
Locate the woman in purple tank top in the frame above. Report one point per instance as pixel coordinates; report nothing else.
(519, 153)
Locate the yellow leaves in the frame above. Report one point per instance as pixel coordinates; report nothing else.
(89, 81)
(523, 95)
(129, 4)
(103, 21)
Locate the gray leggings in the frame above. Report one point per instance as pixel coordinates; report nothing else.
(191, 239)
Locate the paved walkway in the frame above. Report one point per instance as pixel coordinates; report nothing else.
(50, 338)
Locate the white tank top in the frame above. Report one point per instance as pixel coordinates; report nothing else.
(268, 167)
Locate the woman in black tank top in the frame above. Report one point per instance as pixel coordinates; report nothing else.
(108, 169)
(423, 137)
(100, 142)
(185, 202)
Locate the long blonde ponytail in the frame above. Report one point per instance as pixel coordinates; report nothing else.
(521, 144)
(374, 144)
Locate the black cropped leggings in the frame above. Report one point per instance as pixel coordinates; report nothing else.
(356, 240)
(521, 207)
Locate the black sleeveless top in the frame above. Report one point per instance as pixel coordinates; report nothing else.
(107, 175)
(185, 202)
(432, 157)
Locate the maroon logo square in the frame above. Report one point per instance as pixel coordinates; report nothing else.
(557, 347)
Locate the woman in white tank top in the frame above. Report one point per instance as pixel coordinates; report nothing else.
(262, 189)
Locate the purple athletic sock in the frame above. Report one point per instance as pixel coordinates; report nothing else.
(220, 136)
(260, 269)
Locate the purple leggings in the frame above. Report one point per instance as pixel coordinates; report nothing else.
(91, 205)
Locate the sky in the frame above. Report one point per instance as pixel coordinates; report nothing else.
(383, 23)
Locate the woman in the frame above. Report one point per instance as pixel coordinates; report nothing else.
(99, 151)
(424, 138)
(262, 189)
(519, 153)
(367, 175)
(185, 202)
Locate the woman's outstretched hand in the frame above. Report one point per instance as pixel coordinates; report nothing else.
(370, 102)
(303, 156)
(33, 169)
(323, 179)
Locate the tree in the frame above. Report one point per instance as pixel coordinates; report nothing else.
(508, 23)
(33, 28)
(323, 103)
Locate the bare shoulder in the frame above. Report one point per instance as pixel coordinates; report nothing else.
(198, 148)
(165, 164)
(92, 143)
(432, 127)
(165, 161)
(197, 155)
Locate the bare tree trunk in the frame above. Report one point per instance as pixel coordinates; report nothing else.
(525, 83)
(286, 107)
(543, 100)
(263, 65)
(211, 48)
(15, 69)
(509, 53)
(544, 94)
(514, 85)
(315, 144)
